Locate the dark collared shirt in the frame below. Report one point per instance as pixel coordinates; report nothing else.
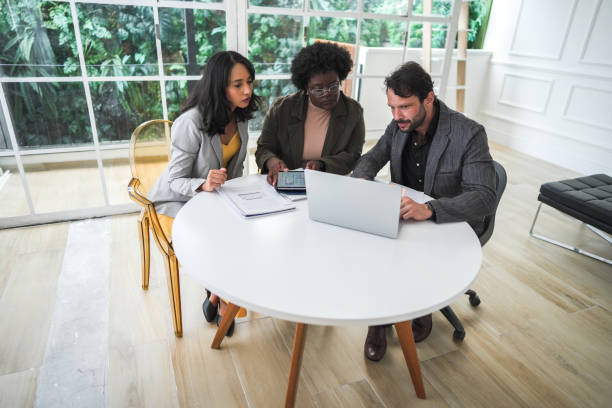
(414, 156)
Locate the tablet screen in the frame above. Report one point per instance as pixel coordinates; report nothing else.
(291, 180)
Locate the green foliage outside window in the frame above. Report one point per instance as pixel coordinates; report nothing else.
(189, 38)
(117, 40)
(37, 39)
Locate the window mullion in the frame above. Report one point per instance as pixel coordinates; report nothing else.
(16, 150)
(160, 62)
(357, 48)
(449, 47)
(92, 119)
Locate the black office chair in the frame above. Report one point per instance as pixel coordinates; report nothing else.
(500, 172)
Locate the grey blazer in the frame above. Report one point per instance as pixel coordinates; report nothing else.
(459, 173)
(193, 153)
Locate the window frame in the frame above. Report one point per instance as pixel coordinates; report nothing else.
(236, 14)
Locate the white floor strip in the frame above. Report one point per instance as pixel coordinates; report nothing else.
(74, 369)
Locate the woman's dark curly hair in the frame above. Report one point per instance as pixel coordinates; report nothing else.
(318, 58)
(209, 93)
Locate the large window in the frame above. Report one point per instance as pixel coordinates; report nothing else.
(77, 76)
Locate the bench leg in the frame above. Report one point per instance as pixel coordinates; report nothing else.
(599, 232)
(570, 247)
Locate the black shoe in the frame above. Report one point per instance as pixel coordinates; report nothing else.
(376, 343)
(209, 310)
(421, 327)
(230, 331)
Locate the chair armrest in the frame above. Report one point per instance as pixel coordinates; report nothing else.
(163, 242)
(135, 195)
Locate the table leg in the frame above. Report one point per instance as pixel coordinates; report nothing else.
(404, 332)
(296, 363)
(230, 312)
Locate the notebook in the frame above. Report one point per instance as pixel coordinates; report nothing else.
(354, 203)
(252, 196)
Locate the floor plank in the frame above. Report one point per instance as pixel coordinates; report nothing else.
(352, 395)
(390, 377)
(18, 389)
(141, 376)
(206, 377)
(326, 362)
(262, 359)
(26, 308)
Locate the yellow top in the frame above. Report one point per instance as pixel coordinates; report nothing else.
(231, 148)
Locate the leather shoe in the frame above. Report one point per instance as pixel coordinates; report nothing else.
(209, 310)
(376, 343)
(421, 327)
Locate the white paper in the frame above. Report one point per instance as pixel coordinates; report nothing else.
(252, 196)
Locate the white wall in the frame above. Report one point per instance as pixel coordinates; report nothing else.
(382, 61)
(548, 92)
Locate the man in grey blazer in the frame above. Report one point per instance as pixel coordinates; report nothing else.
(434, 149)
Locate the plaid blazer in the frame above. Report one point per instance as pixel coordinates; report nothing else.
(459, 174)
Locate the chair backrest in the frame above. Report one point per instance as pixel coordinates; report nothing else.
(149, 152)
(502, 179)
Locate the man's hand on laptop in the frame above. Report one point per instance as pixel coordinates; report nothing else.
(274, 165)
(410, 209)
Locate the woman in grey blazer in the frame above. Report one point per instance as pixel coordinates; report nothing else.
(209, 143)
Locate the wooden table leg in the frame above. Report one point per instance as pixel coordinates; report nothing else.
(230, 312)
(404, 332)
(296, 364)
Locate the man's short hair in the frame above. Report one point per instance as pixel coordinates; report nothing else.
(410, 79)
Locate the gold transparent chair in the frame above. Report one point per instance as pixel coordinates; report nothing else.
(149, 156)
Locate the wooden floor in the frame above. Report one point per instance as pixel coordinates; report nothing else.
(542, 336)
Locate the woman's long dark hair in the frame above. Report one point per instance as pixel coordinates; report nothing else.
(209, 94)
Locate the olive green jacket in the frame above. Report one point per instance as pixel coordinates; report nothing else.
(283, 134)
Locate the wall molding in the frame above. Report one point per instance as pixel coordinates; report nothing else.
(539, 128)
(549, 81)
(578, 120)
(522, 143)
(587, 39)
(562, 71)
(512, 50)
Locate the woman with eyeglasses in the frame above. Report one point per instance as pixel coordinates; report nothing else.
(317, 127)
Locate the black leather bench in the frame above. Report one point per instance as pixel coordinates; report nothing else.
(588, 199)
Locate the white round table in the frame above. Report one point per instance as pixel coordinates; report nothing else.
(290, 267)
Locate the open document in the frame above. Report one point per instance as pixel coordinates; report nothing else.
(252, 196)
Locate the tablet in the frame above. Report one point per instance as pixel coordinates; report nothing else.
(292, 180)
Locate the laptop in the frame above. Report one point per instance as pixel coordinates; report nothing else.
(353, 203)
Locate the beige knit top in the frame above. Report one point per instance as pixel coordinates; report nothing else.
(315, 129)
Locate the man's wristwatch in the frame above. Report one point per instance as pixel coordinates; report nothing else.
(433, 211)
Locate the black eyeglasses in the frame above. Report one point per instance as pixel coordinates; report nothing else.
(322, 91)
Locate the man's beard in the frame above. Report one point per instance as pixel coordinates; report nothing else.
(417, 120)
